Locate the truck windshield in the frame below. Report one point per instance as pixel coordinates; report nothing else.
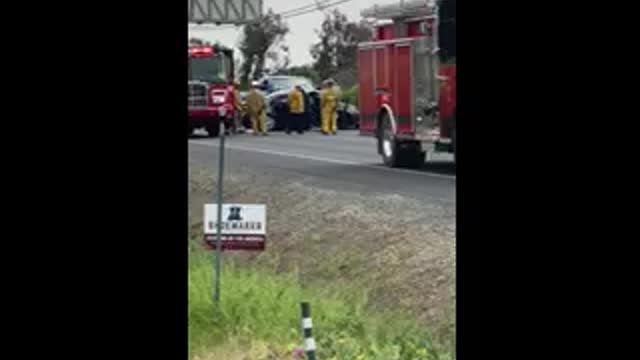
(211, 69)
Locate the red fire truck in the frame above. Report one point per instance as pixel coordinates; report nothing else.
(210, 88)
(407, 97)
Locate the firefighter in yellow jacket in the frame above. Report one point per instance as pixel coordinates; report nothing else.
(328, 108)
(256, 107)
(295, 119)
(238, 106)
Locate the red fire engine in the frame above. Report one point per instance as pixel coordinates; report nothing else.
(407, 98)
(210, 88)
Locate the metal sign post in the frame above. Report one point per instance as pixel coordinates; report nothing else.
(216, 294)
(218, 12)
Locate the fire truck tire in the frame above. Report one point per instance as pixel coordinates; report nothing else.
(387, 142)
(406, 154)
(412, 156)
(454, 141)
(455, 150)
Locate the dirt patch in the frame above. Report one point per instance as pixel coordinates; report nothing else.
(401, 250)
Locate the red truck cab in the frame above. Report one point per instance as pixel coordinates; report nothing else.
(211, 88)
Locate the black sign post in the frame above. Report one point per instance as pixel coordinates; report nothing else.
(216, 294)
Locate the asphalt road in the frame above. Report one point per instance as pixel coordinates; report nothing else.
(346, 162)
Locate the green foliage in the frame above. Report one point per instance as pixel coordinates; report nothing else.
(304, 71)
(260, 42)
(198, 41)
(336, 49)
(258, 307)
(350, 96)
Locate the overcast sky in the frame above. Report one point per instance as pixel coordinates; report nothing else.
(301, 28)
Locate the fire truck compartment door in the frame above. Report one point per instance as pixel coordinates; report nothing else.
(425, 86)
(402, 99)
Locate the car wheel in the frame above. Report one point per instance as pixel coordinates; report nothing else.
(271, 123)
(342, 121)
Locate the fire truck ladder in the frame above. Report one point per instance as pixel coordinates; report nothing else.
(406, 10)
(403, 9)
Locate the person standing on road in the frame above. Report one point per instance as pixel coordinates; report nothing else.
(256, 107)
(237, 105)
(295, 120)
(328, 107)
(306, 116)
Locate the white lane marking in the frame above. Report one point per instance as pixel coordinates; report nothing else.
(328, 160)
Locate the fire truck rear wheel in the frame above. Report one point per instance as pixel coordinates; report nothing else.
(395, 153)
(387, 142)
(412, 156)
(455, 150)
(454, 141)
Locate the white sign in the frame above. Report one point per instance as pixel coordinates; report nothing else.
(224, 11)
(237, 219)
(244, 226)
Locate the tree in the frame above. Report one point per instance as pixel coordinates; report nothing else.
(198, 42)
(336, 49)
(278, 63)
(258, 44)
(304, 71)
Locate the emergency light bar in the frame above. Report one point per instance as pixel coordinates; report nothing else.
(201, 51)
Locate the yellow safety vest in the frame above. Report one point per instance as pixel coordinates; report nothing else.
(296, 102)
(255, 103)
(328, 99)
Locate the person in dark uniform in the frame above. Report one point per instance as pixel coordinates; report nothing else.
(306, 116)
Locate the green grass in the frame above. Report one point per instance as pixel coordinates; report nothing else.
(259, 309)
(351, 95)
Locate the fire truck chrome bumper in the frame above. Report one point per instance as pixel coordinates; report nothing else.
(417, 137)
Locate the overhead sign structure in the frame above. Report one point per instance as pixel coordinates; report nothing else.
(244, 226)
(224, 11)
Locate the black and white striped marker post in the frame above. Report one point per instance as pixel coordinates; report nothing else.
(309, 343)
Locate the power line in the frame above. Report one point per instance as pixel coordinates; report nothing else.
(320, 8)
(308, 6)
(288, 14)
